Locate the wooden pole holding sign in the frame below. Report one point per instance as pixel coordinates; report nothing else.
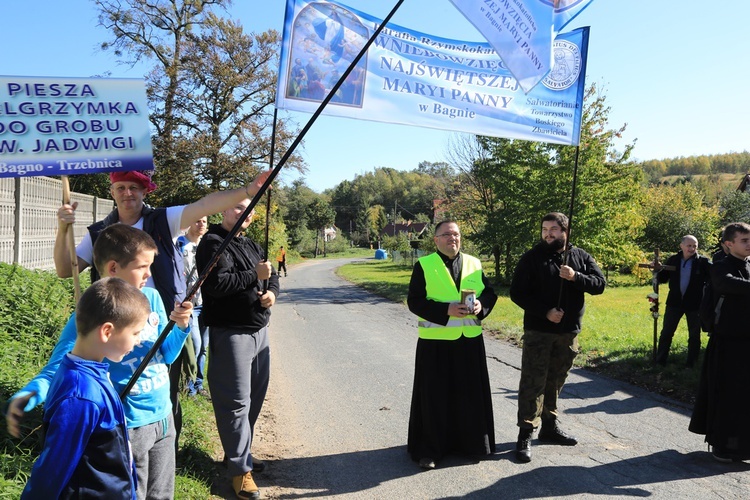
(653, 298)
(70, 237)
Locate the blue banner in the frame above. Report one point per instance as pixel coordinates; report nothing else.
(521, 31)
(412, 78)
(69, 126)
(566, 10)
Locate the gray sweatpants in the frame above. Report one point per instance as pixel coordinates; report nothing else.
(153, 454)
(238, 373)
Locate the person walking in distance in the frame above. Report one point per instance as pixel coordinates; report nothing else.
(281, 260)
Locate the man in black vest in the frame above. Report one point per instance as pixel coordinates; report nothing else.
(685, 292)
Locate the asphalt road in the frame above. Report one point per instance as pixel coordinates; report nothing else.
(335, 420)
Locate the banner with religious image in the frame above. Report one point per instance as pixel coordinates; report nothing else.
(69, 126)
(413, 78)
(521, 31)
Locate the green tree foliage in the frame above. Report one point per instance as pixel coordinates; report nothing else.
(210, 92)
(398, 243)
(404, 195)
(320, 215)
(277, 235)
(671, 212)
(378, 219)
(729, 163)
(510, 184)
(293, 203)
(607, 219)
(497, 207)
(734, 206)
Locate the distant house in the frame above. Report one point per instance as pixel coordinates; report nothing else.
(413, 229)
(330, 233)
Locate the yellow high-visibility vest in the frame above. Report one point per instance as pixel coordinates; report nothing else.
(441, 288)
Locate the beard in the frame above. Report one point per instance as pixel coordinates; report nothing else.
(554, 245)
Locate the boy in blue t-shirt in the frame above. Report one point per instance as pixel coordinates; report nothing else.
(125, 252)
(86, 450)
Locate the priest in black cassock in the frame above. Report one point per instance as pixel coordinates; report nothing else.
(451, 407)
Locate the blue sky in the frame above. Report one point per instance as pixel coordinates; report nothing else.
(675, 71)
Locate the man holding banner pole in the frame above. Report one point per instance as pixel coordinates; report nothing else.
(551, 293)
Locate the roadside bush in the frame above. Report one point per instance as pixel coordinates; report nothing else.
(399, 243)
(337, 245)
(34, 306)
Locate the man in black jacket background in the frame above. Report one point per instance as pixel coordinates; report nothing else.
(685, 293)
(237, 311)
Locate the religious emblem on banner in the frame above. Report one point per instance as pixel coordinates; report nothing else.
(325, 39)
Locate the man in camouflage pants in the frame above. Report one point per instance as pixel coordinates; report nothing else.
(550, 291)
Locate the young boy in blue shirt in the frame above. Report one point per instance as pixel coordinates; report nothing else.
(125, 252)
(86, 450)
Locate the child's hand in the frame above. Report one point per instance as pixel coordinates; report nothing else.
(15, 413)
(181, 314)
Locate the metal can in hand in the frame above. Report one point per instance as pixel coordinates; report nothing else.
(468, 297)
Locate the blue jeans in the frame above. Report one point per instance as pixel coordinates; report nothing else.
(201, 349)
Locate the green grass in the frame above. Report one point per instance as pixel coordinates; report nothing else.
(616, 340)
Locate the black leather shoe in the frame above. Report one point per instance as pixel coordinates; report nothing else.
(427, 463)
(523, 446)
(551, 433)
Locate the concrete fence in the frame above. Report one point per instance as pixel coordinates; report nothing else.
(28, 219)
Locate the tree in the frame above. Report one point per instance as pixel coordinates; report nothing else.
(510, 184)
(294, 201)
(499, 205)
(406, 195)
(378, 220)
(210, 92)
(607, 218)
(320, 215)
(226, 102)
(671, 212)
(155, 30)
(734, 206)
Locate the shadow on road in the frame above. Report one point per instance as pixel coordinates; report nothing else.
(620, 478)
(327, 295)
(358, 472)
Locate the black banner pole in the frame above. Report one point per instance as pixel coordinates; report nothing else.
(570, 222)
(268, 194)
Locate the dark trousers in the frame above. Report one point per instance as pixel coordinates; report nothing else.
(175, 370)
(672, 316)
(282, 265)
(546, 360)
